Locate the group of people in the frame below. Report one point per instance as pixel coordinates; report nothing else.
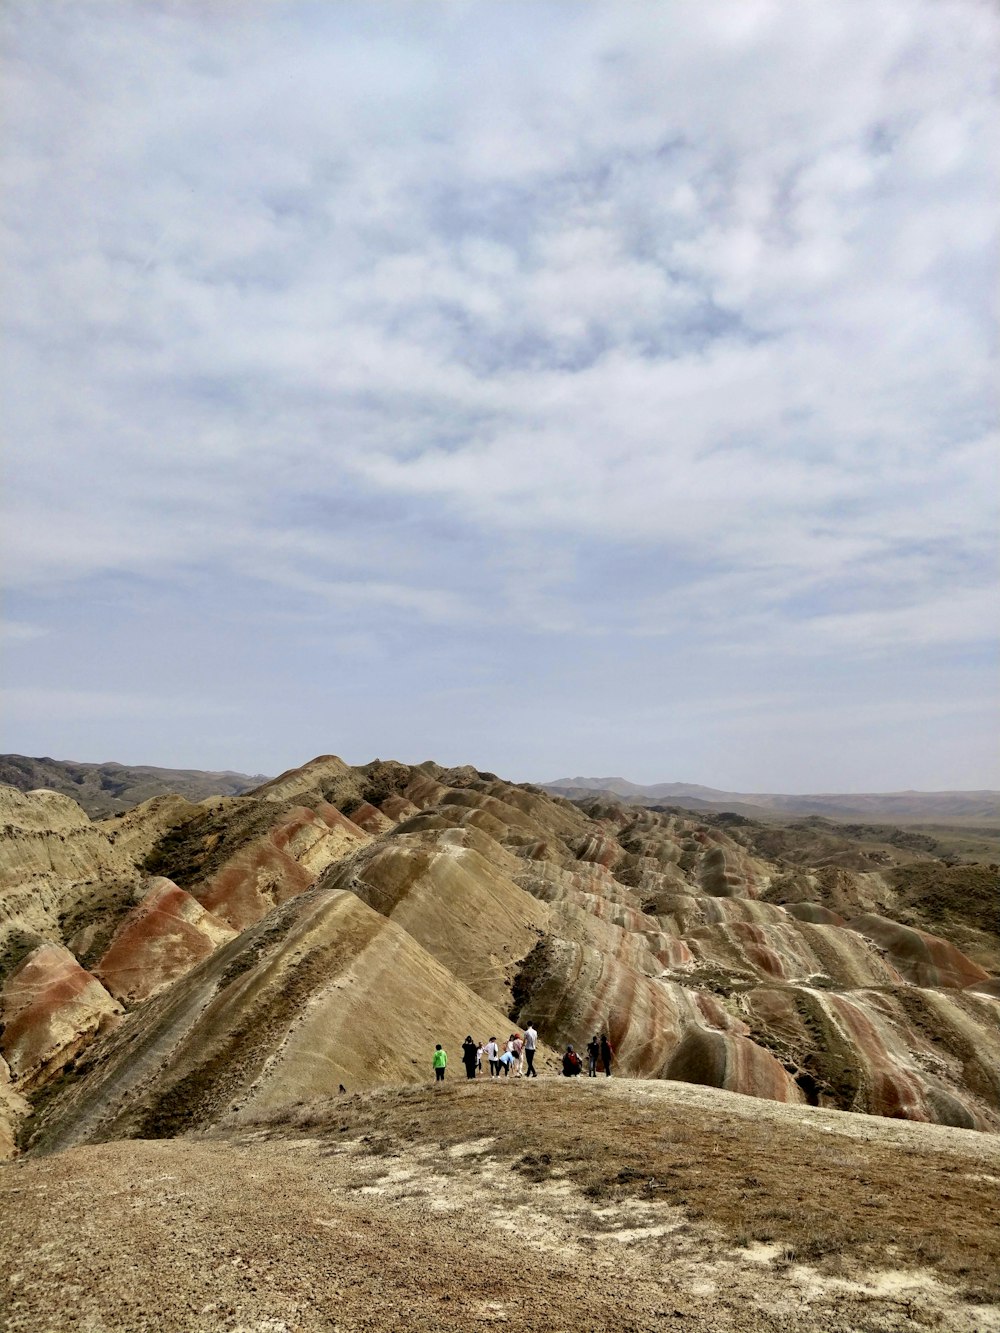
(517, 1056)
(598, 1049)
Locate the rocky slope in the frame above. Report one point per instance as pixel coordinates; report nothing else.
(186, 962)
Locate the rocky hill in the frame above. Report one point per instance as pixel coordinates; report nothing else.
(111, 789)
(183, 962)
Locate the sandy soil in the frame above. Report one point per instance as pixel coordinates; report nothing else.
(547, 1206)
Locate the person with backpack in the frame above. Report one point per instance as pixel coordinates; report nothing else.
(606, 1054)
(571, 1063)
(439, 1062)
(493, 1055)
(593, 1051)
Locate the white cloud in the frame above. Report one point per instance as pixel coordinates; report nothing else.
(405, 315)
(19, 631)
(68, 705)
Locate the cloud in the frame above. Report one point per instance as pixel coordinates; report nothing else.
(87, 705)
(17, 631)
(449, 317)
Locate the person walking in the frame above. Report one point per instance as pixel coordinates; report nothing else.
(606, 1054)
(493, 1055)
(530, 1045)
(439, 1062)
(469, 1057)
(518, 1055)
(593, 1051)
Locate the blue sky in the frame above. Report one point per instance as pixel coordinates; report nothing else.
(560, 388)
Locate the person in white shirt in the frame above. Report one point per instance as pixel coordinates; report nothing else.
(530, 1045)
(493, 1055)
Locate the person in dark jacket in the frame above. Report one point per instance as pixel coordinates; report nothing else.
(593, 1051)
(606, 1054)
(469, 1056)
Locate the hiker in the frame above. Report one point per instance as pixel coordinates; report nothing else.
(440, 1061)
(571, 1063)
(593, 1051)
(518, 1046)
(507, 1060)
(530, 1043)
(469, 1057)
(493, 1055)
(606, 1054)
(480, 1054)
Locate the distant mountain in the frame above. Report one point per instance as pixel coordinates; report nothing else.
(109, 788)
(924, 805)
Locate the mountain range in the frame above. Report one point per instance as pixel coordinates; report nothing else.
(903, 805)
(110, 788)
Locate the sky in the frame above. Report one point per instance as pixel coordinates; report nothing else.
(561, 388)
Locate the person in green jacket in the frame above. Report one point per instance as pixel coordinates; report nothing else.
(440, 1061)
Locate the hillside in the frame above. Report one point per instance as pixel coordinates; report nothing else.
(111, 789)
(607, 1205)
(250, 969)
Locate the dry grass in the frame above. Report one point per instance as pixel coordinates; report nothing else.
(841, 1204)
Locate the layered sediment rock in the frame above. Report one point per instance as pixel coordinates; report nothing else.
(161, 939)
(455, 901)
(51, 1010)
(13, 1109)
(322, 992)
(282, 863)
(922, 958)
(329, 928)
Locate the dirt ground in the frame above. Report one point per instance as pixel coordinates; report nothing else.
(591, 1205)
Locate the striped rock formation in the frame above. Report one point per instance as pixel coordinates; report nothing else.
(161, 939)
(330, 927)
(52, 1008)
(291, 1009)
